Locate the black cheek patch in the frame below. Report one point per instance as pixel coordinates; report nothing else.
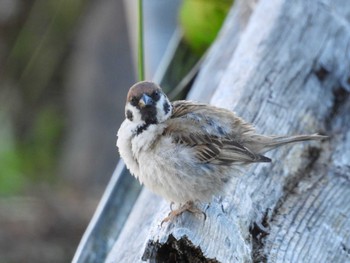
(129, 115)
(166, 107)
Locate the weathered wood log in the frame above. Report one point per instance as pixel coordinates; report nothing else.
(288, 74)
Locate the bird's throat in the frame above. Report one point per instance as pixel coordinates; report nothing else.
(142, 128)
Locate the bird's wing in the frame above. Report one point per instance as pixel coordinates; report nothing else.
(208, 130)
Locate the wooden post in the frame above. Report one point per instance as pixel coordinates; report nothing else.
(288, 72)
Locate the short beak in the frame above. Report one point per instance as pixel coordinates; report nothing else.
(146, 100)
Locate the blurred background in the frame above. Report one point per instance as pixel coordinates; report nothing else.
(65, 68)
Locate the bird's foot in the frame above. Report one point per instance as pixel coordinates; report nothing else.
(188, 206)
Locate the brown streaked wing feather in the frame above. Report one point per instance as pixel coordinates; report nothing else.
(183, 107)
(209, 148)
(236, 152)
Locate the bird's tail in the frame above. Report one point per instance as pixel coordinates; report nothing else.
(272, 142)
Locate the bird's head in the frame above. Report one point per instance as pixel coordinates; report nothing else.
(147, 103)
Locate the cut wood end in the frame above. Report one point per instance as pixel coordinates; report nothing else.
(173, 250)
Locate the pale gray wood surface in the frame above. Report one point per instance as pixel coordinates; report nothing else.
(288, 74)
(227, 40)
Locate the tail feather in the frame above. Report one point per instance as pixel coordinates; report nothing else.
(279, 140)
(273, 142)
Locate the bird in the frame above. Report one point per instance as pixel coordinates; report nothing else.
(186, 151)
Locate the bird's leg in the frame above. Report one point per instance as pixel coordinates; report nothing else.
(188, 206)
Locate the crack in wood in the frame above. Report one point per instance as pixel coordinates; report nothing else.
(173, 250)
(321, 73)
(291, 185)
(345, 248)
(340, 97)
(259, 232)
(343, 172)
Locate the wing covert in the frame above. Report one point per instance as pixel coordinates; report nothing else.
(213, 143)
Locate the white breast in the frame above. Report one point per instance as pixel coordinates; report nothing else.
(132, 147)
(124, 145)
(165, 168)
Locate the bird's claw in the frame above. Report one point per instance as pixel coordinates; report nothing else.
(189, 206)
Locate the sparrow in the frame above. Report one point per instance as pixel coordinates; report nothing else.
(186, 151)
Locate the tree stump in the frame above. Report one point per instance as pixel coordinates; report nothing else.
(286, 69)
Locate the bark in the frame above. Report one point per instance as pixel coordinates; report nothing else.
(288, 72)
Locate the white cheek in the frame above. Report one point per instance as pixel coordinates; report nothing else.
(161, 116)
(136, 116)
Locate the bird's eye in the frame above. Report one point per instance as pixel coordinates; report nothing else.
(134, 101)
(155, 95)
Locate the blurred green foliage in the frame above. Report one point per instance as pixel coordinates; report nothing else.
(201, 21)
(29, 144)
(11, 177)
(40, 149)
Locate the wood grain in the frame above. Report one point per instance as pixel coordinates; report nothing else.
(288, 74)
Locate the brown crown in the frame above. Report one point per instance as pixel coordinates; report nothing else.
(140, 88)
